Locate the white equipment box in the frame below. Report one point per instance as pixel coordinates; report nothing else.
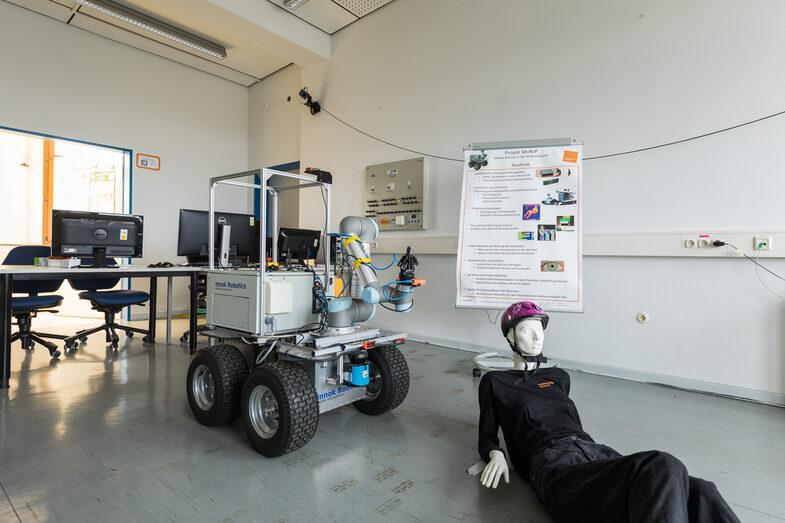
(233, 301)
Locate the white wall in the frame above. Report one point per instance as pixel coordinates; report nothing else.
(274, 131)
(67, 82)
(435, 76)
(274, 119)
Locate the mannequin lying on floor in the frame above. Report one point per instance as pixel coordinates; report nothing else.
(575, 478)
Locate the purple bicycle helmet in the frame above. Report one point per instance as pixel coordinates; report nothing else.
(520, 311)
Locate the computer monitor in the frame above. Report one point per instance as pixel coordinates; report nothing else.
(194, 229)
(298, 244)
(96, 235)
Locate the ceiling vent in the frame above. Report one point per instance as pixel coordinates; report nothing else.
(361, 8)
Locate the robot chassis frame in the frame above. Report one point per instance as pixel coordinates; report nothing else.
(280, 384)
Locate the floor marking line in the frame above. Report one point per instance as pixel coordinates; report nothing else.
(757, 511)
(9, 502)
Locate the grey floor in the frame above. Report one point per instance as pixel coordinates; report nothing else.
(108, 436)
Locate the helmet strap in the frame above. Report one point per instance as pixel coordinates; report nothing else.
(538, 360)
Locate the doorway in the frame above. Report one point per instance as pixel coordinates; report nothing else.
(40, 173)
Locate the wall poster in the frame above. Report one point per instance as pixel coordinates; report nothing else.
(520, 230)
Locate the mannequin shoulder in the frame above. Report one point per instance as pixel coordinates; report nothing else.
(495, 376)
(488, 378)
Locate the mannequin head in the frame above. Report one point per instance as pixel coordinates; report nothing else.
(523, 324)
(526, 339)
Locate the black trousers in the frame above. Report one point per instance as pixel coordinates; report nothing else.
(582, 481)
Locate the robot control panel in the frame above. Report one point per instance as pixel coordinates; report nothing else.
(395, 194)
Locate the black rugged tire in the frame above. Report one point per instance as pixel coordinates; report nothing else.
(394, 373)
(298, 407)
(229, 369)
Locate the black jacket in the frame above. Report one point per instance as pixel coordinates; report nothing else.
(531, 411)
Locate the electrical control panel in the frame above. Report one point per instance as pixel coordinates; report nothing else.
(396, 194)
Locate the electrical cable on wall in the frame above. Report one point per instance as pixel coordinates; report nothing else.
(757, 273)
(390, 143)
(588, 158)
(720, 243)
(496, 319)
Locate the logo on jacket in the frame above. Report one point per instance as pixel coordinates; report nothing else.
(545, 384)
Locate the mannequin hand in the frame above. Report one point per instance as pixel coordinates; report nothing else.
(494, 470)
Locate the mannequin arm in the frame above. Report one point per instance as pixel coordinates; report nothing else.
(489, 424)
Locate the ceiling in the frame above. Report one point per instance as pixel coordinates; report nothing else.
(260, 36)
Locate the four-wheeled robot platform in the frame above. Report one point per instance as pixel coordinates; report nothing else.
(297, 349)
(280, 392)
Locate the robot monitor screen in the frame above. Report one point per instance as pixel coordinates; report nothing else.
(298, 244)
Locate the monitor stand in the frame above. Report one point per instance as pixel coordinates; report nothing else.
(225, 235)
(99, 259)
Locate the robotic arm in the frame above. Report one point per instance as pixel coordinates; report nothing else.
(342, 312)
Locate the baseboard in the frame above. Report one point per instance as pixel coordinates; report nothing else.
(689, 384)
(469, 347)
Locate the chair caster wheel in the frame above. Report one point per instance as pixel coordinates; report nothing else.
(55, 354)
(31, 346)
(476, 373)
(115, 340)
(70, 346)
(146, 339)
(114, 345)
(130, 334)
(83, 339)
(183, 339)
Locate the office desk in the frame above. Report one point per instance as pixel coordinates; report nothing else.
(9, 273)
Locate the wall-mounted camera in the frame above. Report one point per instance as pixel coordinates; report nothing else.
(313, 106)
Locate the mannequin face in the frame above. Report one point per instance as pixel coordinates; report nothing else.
(529, 335)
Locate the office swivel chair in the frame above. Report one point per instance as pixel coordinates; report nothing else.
(106, 301)
(24, 308)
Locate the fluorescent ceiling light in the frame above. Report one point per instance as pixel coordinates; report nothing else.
(142, 21)
(293, 4)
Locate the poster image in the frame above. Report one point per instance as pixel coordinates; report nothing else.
(531, 211)
(552, 266)
(565, 223)
(520, 227)
(546, 233)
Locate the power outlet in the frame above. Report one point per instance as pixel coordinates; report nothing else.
(704, 242)
(761, 243)
(690, 243)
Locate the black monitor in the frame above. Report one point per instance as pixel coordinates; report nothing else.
(192, 236)
(298, 244)
(97, 235)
